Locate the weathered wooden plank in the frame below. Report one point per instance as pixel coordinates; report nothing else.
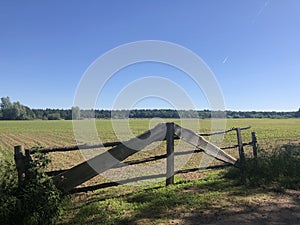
(254, 144)
(170, 154)
(73, 148)
(19, 157)
(199, 142)
(241, 154)
(22, 160)
(135, 179)
(241, 147)
(224, 165)
(91, 168)
(223, 132)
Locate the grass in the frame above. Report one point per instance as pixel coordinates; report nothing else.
(215, 193)
(57, 133)
(279, 167)
(152, 204)
(213, 196)
(270, 133)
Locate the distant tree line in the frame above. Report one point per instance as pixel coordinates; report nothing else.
(16, 111)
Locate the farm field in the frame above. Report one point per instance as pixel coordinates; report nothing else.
(60, 133)
(150, 204)
(39, 133)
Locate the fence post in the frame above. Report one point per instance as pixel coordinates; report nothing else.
(22, 160)
(241, 147)
(254, 144)
(170, 154)
(241, 154)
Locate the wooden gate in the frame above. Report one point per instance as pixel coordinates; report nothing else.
(69, 179)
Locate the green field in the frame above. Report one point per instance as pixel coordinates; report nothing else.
(39, 133)
(60, 133)
(146, 204)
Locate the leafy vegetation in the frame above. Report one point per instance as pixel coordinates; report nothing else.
(16, 111)
(35, 202)
(161, 113)
(279, 167)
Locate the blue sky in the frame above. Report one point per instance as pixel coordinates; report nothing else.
(252, 46)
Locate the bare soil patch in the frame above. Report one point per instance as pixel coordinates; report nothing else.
(269, 208)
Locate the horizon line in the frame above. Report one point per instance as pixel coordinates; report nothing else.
(232, 110)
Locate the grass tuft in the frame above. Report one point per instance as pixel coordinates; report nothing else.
(279, 167)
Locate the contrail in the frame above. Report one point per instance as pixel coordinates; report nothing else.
(261, 10)
(225, 60)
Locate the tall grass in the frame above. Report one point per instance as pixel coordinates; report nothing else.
(279, 167)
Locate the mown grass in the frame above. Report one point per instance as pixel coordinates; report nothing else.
(214, 193)
(153, 204)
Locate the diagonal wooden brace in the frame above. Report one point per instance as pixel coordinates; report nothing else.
(83, 172)
(199, 142)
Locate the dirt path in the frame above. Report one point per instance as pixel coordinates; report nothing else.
(274, 208)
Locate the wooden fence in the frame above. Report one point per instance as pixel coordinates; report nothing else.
(67, 180)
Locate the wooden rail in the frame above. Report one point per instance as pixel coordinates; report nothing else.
(112, 144)
(74, 148)
(67, 180)
(92, 167)
(224, 132)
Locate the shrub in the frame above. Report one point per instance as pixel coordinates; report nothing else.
(35, 202)
(280, 166)
(54, 116)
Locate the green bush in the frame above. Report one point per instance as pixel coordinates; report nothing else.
(280, 167)
(35, 202)
(54, 116)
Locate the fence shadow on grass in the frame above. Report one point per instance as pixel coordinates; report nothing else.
(214, 199)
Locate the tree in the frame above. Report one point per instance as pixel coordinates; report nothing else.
(54, 116)
(297, 114)
(19, 112)
(15, 110)
(75, 113)
(6, 108)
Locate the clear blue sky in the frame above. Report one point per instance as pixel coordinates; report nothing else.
(252, 46)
